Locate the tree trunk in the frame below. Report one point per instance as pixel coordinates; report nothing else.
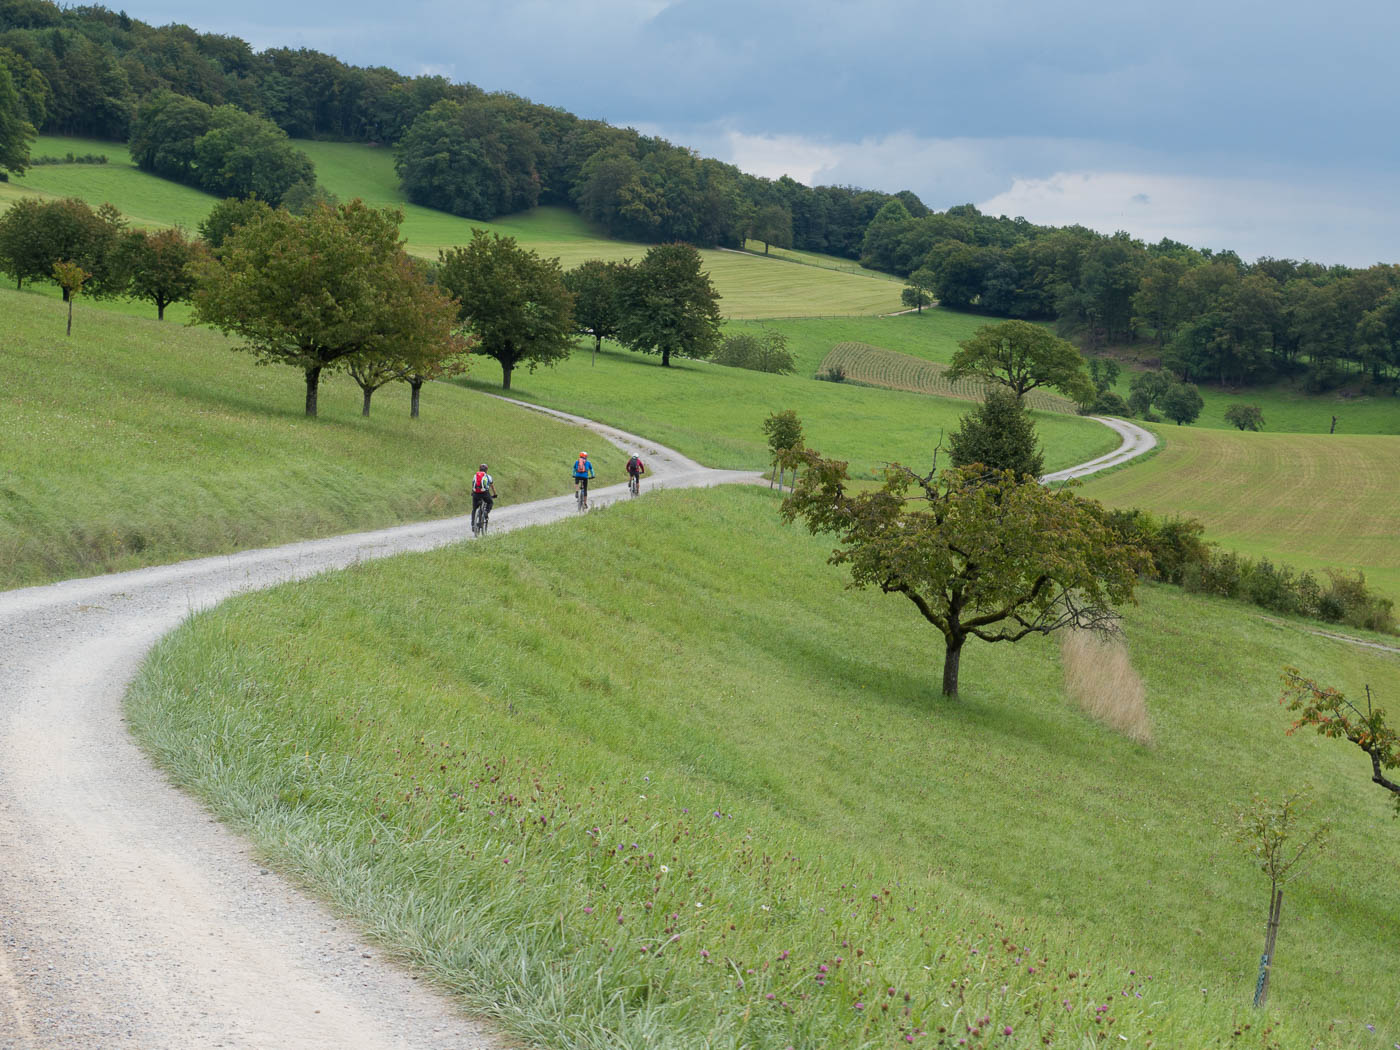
(313, 380)
(505, 376)
(1266, 962)
(665, 357)
(415, 385)
(70, 316)
(160, 310)
(597, 345)
(369, 393)
(951, 657)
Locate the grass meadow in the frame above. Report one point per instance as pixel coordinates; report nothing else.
(713, 413)
(691, 790)
(1308, 501)
(751, 286)
(136, 442)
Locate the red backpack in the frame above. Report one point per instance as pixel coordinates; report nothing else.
(479, 483)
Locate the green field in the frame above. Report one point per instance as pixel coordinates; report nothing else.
(136, 443)
(1311, 502)
(890, 370)
(713, 413)
(666, 781)
(750, 285)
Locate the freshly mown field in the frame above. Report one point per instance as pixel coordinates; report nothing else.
(713, 413)
(750, 285)
(1308, 501)
(663, 780)
(872, 366)
(136, 443)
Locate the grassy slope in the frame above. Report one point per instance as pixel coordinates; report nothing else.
(1308, 501)
(135, 443)
(496, 793)
(714, 413)
(751, 286)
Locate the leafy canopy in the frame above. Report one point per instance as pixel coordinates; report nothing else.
(670, 305)
(1022, 356)
(311, 291)
(514, 301)
(1000, 435)
(990, 556)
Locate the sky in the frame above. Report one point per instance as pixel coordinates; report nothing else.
(1267, 128)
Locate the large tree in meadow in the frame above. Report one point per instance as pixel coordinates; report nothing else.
(1021, 357)
(160, 266)
(597, 289)
(969, 550)
(513, 301)
(312, 291)
(670, 306)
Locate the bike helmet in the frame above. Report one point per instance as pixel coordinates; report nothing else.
(583, 455)
(482, 467)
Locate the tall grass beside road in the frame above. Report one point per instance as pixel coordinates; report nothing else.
(656, 777)
(136, 443)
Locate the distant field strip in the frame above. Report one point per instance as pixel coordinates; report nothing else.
(873, 366)
(1309, 500)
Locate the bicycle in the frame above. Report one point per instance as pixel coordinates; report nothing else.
(634, 484)
(581, 494)
(481, 517)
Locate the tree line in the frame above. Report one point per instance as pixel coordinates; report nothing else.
(332, 288)
(1206, 316)
(93, 72)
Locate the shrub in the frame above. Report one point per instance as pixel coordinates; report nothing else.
(833, 374)
(999, 434)
(1099, 675)
(1348, 600)
(765, 353)
(1245, 417)
(1106, 403)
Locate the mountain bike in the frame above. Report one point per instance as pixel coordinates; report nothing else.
(634, 483)
(481, 517)
(581, 495)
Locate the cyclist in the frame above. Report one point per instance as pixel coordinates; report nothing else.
(635, 469)
(483, 495)
(583, 470)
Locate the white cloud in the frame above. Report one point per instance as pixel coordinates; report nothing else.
(1252, 216)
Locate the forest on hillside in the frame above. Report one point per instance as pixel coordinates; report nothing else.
(208, 110)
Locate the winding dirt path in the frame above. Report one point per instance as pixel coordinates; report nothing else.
(128, 917)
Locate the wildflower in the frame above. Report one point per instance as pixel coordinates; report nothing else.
(704, 953)
(1006, 1030)
(860, 1006)
(665, 870)
(587, 910)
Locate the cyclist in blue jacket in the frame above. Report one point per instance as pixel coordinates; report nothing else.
(583, 470)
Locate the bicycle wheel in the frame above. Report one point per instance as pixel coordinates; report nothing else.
(634, 484)
(478, 526)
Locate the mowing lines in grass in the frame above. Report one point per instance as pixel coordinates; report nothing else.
(873, 366)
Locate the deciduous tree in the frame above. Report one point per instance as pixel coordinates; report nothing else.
(16, 132)
(597, 289)
(312, 291)
(970, 550)
(1181, 403)
(159, 265)
(670, 306)
(1022, 357)
(515, 302)
(1245, 417)
(70, 277)
(772, 224)
(1329, 712)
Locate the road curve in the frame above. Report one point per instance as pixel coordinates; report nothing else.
(128, 916)
(1136, 441)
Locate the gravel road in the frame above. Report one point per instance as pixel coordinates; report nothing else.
(128, 917)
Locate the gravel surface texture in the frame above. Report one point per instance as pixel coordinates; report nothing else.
(128, 916)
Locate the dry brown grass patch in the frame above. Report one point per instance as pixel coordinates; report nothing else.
(1099, 675)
